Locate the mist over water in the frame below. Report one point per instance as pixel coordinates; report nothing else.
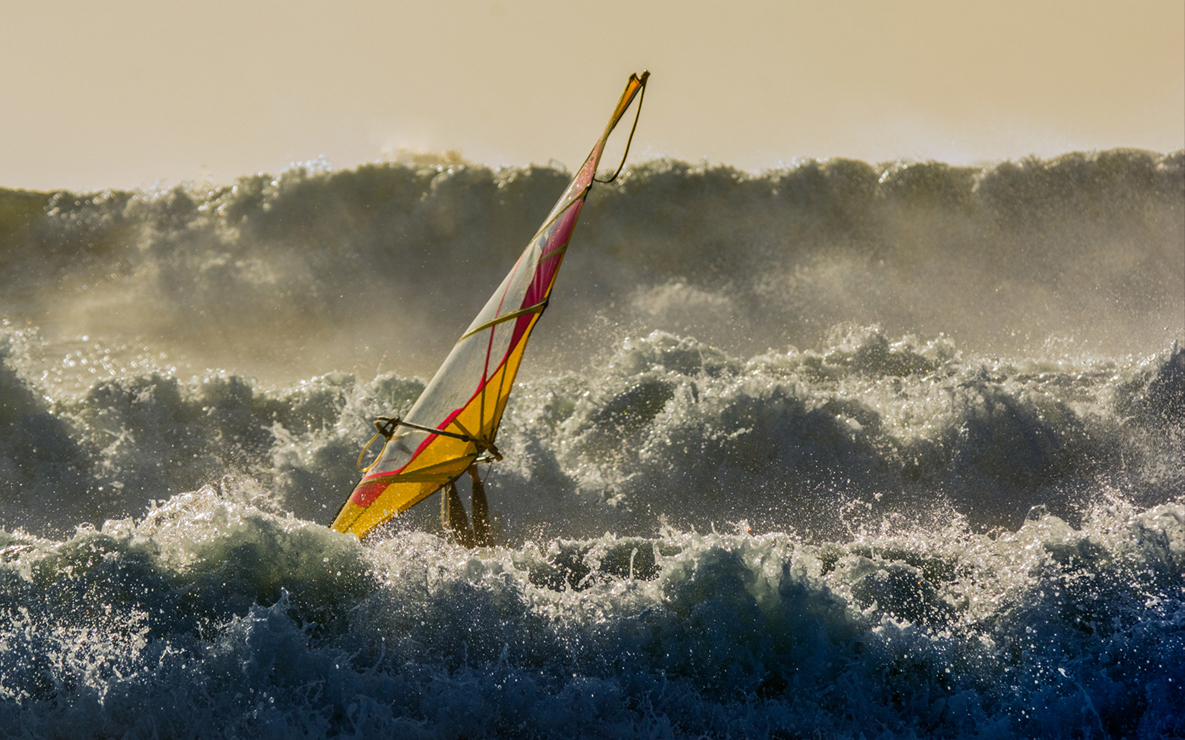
(289, 275)
(832, 450)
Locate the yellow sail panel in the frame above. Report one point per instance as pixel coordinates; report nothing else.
(459, 412)
(443, 459)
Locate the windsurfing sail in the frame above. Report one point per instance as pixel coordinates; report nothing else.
(456, 418)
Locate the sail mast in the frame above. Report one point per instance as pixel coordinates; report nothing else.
(457, 416)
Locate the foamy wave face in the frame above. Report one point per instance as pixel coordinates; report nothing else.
(862, 434)
(212, 616)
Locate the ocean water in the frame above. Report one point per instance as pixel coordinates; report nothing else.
(836, 450)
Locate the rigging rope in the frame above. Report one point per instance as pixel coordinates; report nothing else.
(637, 115)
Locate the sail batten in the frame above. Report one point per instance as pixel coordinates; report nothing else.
(472, 387)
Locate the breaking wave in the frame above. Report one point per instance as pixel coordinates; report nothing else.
(209, 616)
(282, 276)
(838, 450)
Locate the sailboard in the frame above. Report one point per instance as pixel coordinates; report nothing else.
(455, 420)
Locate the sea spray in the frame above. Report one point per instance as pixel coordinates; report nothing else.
(837, 450)
(382, 266)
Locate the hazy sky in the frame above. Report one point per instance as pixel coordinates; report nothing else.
(128, 92)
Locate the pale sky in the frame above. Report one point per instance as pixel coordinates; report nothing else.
(126, 93)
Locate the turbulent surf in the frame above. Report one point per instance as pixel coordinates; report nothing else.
(835, 450)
